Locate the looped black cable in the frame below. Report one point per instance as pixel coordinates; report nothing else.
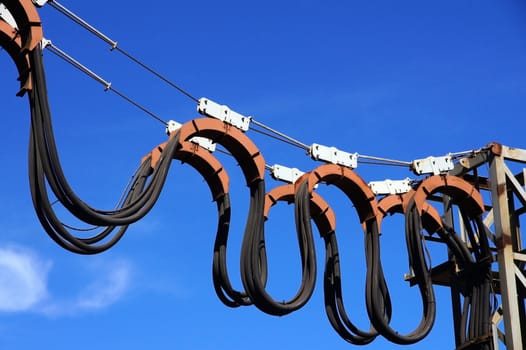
(474, 264)
(363, 199)
(253, 266)
(134, 209)
(222, 285)
(422, 277)
(253, 165)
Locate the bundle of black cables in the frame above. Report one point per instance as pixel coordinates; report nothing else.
(474, 275)
(254, 262)
(333, 295)
(45, 170)
(376, 307)
(222, 284)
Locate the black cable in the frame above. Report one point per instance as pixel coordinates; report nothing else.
(422, 275)
(222, 285)
(254, 263)
(45, 143)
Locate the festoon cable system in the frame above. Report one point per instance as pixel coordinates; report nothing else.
(193, 143)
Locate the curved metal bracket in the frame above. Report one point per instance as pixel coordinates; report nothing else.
(463, 194)
(10, 40)
(238, 144)
(28, 22)
(201, 160)
(320, 211)
(397, 203)
(350, 183)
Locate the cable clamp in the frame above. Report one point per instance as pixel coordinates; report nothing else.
(224, 113)
(433, 165)
(40, 3)
(7, 16)
(390, 186)
(333, 155)
(45, 43)
(285, 174)
(173, 126)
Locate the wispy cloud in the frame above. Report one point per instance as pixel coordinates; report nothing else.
(107, 290)
(24, 285)
(23, 279)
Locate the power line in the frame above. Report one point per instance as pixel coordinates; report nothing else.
(107, 85)
(114, 46)
(289, 139)
(267, 131)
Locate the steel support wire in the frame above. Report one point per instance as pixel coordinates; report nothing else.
(107, 85)
(364, 201)
(114, 46)
(45, 144)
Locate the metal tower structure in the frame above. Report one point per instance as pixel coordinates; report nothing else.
(499, 173)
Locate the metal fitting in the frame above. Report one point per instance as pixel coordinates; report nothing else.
(203, 142)
(286, 174)
(433, 165)
(390, 186)
(333, 155)
(224, 113)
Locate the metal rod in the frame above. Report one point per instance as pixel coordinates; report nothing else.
(114, 46)
(83, 23)
(386, 160)
(64, 56)
(107, 85)
(285, 137)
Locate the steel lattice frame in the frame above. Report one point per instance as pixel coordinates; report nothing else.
(505, 194)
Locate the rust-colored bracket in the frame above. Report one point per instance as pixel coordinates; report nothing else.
(350, 183)
(10, 40)
(237, 143)
(201, 160)
(320, 211)
(28, 22)
(397, 203)
(463, 194)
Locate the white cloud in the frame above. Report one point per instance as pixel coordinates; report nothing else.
(111, 283)
(23, 279)
(107, 290)
(24, 285)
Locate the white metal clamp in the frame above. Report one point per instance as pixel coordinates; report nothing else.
(390, 186)
(286, 174)
(224, 113)
(333, 155)
(433, 165)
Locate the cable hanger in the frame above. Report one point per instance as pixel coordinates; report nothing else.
(334, 154)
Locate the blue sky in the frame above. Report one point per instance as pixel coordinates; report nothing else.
(399, 80)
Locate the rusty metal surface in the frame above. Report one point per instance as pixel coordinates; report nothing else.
(236, 142)
(28, 22)
(351, 184)
(12, 43)
(320, 211)
(201, 160)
